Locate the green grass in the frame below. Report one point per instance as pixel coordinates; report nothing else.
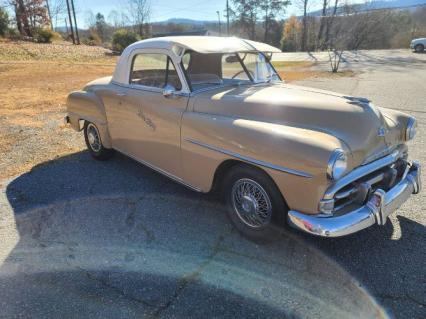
(292, 64)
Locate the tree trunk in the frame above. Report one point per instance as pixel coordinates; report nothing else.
(265, 37)
(23, 18)
(305, 25)
(322, 22)
(253, 26)
(330, 22)
(18, 19)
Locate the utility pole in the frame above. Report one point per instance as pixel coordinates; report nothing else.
(227, 17)
(220, 28)
(70, 20)
(75, 22)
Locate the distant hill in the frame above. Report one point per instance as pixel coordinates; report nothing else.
(395, 4)
(383, 4)
(186, 21)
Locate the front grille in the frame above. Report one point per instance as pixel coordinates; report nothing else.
(358, 192)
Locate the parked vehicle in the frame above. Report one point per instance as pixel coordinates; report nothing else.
(418, 45)
(213, 114)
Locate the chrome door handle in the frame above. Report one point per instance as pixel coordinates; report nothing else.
(121, 94)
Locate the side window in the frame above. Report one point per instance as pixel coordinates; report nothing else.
(154, 70)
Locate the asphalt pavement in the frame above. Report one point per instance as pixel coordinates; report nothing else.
(81, 238)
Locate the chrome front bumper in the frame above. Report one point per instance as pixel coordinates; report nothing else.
(380, 205)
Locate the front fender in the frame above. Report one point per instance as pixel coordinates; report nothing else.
(295, 158)
(82, 105)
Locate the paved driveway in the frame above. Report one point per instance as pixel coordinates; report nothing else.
(114, 239)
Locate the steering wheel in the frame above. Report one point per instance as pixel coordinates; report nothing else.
(242, 71)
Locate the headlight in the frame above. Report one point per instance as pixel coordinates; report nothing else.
(410, 131)
(337, 164)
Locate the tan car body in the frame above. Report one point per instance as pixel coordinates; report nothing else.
(286, 130)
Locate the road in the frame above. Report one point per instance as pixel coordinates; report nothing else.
(114, 239)
(357, 59)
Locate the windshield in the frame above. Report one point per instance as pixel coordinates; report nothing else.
(217, 69)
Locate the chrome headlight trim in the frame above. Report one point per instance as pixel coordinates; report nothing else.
(410, 131)
(337, 164)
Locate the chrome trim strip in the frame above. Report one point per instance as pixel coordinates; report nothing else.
(374, 212)
(159, 170)
(250, 159)
(361, 172)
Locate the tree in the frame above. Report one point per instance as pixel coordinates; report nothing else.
(30, 14)
(271, 8)
(101, 26)
(304, 4)
(291, 34)
(246, 14)
(329, 23)
(123, 38)
(322, 22)
(139, 13)
(4, 22)
(58, 9)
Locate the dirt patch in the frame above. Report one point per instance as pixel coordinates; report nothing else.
(33, 96)
(61, 51)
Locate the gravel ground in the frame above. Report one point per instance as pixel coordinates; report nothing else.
(80, 238)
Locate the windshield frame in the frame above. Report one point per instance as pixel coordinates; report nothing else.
(250, 80)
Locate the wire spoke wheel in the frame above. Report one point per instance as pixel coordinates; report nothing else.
(93, 138)
(251, 203)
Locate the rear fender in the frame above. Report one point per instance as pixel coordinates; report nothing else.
(87, 106)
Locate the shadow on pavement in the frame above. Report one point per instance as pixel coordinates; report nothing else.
(118, 240)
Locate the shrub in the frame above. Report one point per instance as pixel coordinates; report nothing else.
(122, 38)
(93, 39)
(13, 34)
(43, 35)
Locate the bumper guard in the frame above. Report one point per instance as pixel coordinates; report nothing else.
(380, 205)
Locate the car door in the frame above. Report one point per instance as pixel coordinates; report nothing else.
(144, 123)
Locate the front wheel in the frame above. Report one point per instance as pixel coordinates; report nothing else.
(419, 48)
(254, 204)
(94, 142)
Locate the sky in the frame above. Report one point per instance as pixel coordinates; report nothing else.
(165, 9)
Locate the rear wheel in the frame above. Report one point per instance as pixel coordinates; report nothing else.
(254, 203)
(94, 142)
(419, 48)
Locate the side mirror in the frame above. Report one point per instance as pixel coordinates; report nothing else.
(169, 91)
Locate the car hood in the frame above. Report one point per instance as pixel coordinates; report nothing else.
(360, 125)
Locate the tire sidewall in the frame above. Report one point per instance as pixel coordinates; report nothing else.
(103, 153)
(419, 48)
(266, 233)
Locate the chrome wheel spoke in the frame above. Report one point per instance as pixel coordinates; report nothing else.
(251, 203)
(93, 138)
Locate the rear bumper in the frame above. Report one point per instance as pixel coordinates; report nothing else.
(380, 205)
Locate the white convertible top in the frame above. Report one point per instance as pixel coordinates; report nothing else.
(201, 44)
(204, 44)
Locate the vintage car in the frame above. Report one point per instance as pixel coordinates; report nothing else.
(213, 114)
